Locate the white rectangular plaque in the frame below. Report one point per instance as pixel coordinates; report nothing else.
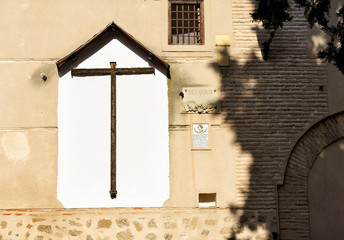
(200, 135)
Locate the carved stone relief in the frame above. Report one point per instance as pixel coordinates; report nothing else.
(201, 100)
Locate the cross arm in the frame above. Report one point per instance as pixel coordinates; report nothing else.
(83, 72)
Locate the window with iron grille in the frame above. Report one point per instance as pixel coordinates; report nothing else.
(186, 22)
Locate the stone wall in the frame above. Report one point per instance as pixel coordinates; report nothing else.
(127, 224)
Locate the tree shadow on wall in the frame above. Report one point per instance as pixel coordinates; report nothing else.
(267, 104)
(246, 109)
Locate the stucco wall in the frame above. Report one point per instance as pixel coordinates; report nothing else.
(28, 134)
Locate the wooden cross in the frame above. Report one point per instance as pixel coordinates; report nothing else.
(113, 71)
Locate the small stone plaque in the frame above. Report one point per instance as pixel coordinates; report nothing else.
(200, 135)
(201, 100)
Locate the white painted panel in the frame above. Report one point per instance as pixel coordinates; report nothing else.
(84, 135)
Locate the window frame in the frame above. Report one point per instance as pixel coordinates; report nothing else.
(201, 3)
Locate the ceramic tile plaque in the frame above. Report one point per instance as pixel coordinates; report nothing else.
(201, 100)
(200, 135)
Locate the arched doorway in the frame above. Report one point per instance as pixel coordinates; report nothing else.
(326, 193)
(293, 193)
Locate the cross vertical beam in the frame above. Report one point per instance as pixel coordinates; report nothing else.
(113, 71)
(113, 189)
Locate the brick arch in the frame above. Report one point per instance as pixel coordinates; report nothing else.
(293, 192)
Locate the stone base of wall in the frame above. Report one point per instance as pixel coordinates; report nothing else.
(129, 224)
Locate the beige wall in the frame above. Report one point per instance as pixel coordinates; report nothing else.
(39, 33)
(50, 30)
(198, 171)
(28, 134)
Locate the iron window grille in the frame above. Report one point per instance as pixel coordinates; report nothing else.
(186, 22)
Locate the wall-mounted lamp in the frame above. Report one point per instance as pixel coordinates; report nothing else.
(44, 77)
(223, 56)
(151, 56)
(222, 40)
(113, 28)
(74, 57)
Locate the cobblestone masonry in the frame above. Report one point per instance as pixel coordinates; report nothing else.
(126, 224)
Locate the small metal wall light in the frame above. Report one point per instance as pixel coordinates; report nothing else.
(113, 28)
(150, 56)
(44, 77)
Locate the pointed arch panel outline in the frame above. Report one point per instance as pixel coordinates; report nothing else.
(293, 202)
(84, 120)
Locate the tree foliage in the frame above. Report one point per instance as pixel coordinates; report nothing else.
(273, 13)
